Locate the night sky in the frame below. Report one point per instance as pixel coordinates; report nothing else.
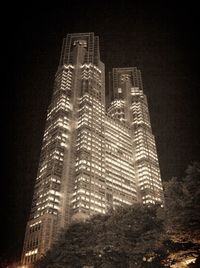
(160, 39)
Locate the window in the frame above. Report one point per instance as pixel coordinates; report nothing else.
(119, 90)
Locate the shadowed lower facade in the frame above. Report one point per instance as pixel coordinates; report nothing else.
(92, 157)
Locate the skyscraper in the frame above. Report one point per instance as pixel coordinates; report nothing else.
(92, 158)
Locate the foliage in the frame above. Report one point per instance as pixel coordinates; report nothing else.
(138, 235)
(119, 239)
(182, 201)
(182, 207)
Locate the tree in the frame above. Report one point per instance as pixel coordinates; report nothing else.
(127, 237)
(74, 248)
(182, 206)
(182, 202)
(138, 235)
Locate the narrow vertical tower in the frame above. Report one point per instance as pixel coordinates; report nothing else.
(129, 104)
(69, 169)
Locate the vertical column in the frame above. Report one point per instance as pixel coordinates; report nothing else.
(128, 97)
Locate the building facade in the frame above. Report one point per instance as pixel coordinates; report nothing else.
(92, 158)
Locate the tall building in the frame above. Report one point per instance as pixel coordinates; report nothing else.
(92, 158)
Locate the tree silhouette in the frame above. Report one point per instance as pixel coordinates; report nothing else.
(138, 235)
(182, 201)
(127, 237)
(182, 207)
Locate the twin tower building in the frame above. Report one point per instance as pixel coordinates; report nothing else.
(96, 153)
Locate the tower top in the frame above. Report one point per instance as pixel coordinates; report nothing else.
(88, 41)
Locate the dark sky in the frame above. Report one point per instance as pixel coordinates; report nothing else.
(161, 39)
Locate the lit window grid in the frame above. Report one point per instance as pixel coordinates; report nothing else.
(114, 146)
(116, 165)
